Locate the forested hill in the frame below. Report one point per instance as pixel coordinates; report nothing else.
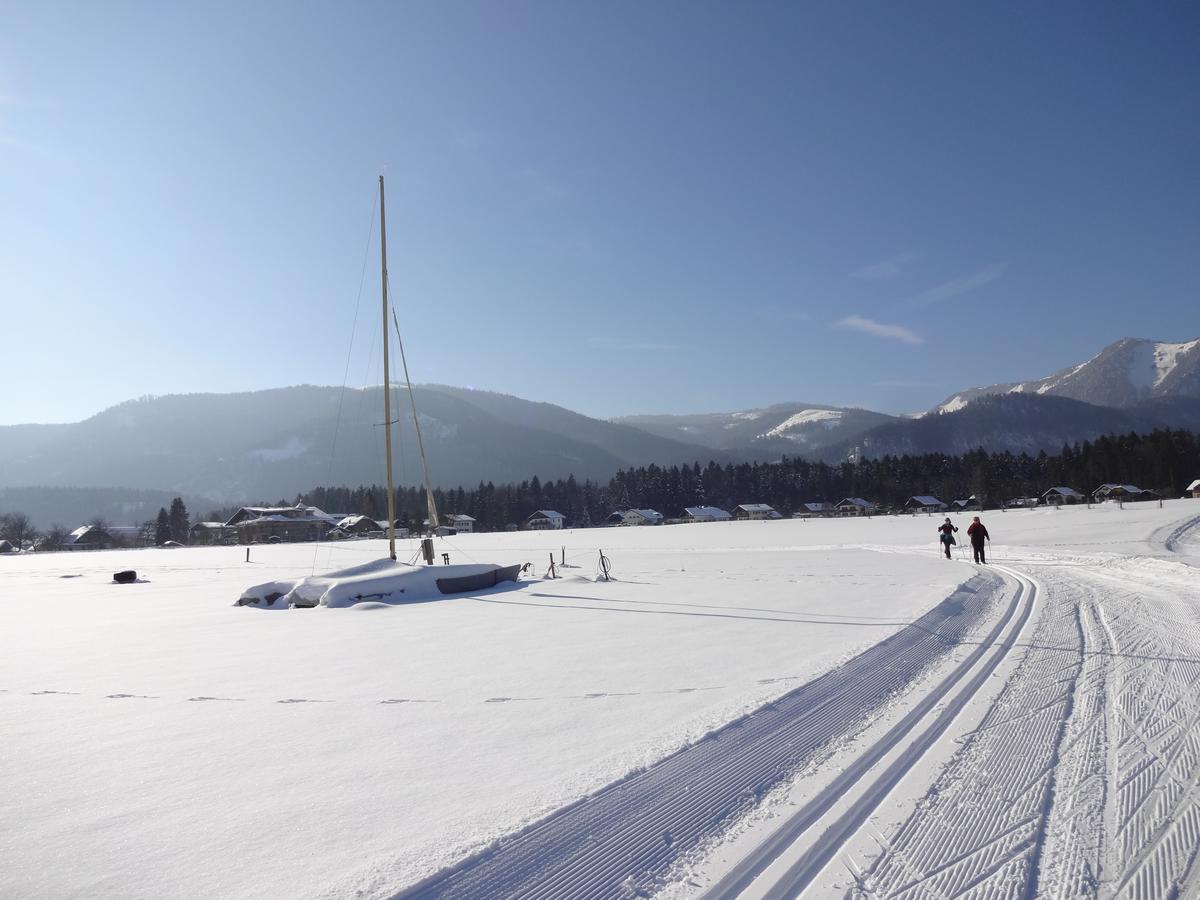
(1165, 461)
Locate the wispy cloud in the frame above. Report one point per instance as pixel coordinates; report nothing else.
(879, 329)
(616, 343)
(885, 268)
(960, 286)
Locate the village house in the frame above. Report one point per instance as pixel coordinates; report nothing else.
(1062, 496)
(1021, 503)
(6, 547)
(401, 530)
(1194, 488)
(208, 533)
(755, 511)
(924, 503)
(88, 537)
(359, 526)
(635, 517)
(1126, 493)
(281, 523)
(705, 514)
(544, 520)
(813, 510)
(460, 523)
(855, 506)
(971, 504)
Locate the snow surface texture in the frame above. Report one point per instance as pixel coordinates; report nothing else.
(182, 746)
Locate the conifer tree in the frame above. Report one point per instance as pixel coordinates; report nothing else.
(162, 527)
(179, 523)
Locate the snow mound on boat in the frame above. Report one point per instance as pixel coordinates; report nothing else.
(380, 581)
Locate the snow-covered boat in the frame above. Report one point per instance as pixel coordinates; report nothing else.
(385, 580)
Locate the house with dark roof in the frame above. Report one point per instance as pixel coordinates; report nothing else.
(925, 503)
(971, 504)
(1062, 496)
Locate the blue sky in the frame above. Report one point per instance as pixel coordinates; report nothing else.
(620, 207)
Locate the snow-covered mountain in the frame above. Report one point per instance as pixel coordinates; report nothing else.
(1016, 423)
(1124, 374)
(791, 428)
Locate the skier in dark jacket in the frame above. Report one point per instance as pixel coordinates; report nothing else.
(946, 535)
(978, 534)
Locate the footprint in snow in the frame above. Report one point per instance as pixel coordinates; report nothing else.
(408, 700)
(227, 699)
(130, 697)
(302, 700)
(37, 693)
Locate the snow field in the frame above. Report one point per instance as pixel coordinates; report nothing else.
(182, 746)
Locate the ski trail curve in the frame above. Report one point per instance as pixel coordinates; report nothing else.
(623, 840)
(1083, 779)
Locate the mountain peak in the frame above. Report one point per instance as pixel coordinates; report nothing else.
(1125, 373)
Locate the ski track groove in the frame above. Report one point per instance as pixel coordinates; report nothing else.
(1115, 797)
(624, 840)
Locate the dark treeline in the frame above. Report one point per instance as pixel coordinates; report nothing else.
(1164, 461)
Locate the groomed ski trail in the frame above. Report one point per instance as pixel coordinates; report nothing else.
(1083, 779)
(916, 734)
(623, 840)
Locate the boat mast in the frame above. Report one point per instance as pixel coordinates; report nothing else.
(387, 400)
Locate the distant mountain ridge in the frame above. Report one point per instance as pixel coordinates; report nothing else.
(1017, 423)
(1123, 374)
(276, 443)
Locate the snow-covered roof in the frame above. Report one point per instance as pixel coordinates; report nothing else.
(1127, 488)
(1064, 492)
(706, 512)
(816, 507)
(1195, 484)
(196, 525)
(926, 500)
(290, 520)
(856, 501)
(459, 517)
(546, 514)
(755, 507)
(648, 513)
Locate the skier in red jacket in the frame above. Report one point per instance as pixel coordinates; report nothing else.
(978, 534)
